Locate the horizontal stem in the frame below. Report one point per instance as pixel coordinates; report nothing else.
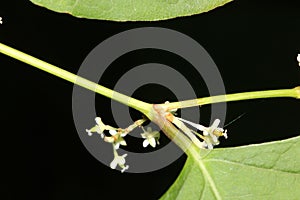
(293, 93)
(129, 101)
(137, 104)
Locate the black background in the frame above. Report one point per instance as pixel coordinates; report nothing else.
(254, 44)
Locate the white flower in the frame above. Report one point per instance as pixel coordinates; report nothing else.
(151, 137)
(99, 128)
(210, 134)
(94, 129)
(214, 130)
(298, 59)
(116, 138)
(1, 20)
(119, 160)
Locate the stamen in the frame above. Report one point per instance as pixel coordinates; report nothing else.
(188, 132)
(197, 126)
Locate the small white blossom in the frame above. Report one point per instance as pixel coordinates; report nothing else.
(119, 160)
(94, 129)
(151, 137)
(298, 59)
(1, 22)
(116, 138)
(99, 128)
(210, 134)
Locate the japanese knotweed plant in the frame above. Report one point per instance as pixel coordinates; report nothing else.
(222, 173)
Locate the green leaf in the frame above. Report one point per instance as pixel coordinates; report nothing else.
(261, 171)
(131, 10)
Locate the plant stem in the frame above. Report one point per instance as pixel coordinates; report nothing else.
(293, 93)
(129, 101)
(137, 104)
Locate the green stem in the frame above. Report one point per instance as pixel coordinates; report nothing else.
(293, 93)
(129, 101)
(143, 107)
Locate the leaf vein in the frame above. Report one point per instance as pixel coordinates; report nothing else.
(254, 166)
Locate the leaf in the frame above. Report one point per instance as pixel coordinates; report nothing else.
(131, 10)
(261, 171)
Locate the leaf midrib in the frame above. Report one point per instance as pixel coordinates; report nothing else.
(209, 179)
(206, 174)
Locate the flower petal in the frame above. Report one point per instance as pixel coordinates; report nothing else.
(157, 141)
(210, 146)
(98, 121)
(112, 132)
(117, 145)
(145, 143)
(123, 134)
(109, 139)
(123, 142)
(156, 134)
(149, 129)
(152, 142)
(89, 132)
(125, 168)
(113, 164)
(93, 130)
(120, 160)
(214, 126)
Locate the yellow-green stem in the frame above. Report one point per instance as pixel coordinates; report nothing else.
(131, 102)
(137, 104)
(293, 93)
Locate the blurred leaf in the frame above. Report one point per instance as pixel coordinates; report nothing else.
(263, 171)
(131, 10)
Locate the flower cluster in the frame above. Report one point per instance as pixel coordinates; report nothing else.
(210, 135)
(116, 138)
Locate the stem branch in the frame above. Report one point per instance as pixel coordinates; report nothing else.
(294, 93)
(129, 101)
